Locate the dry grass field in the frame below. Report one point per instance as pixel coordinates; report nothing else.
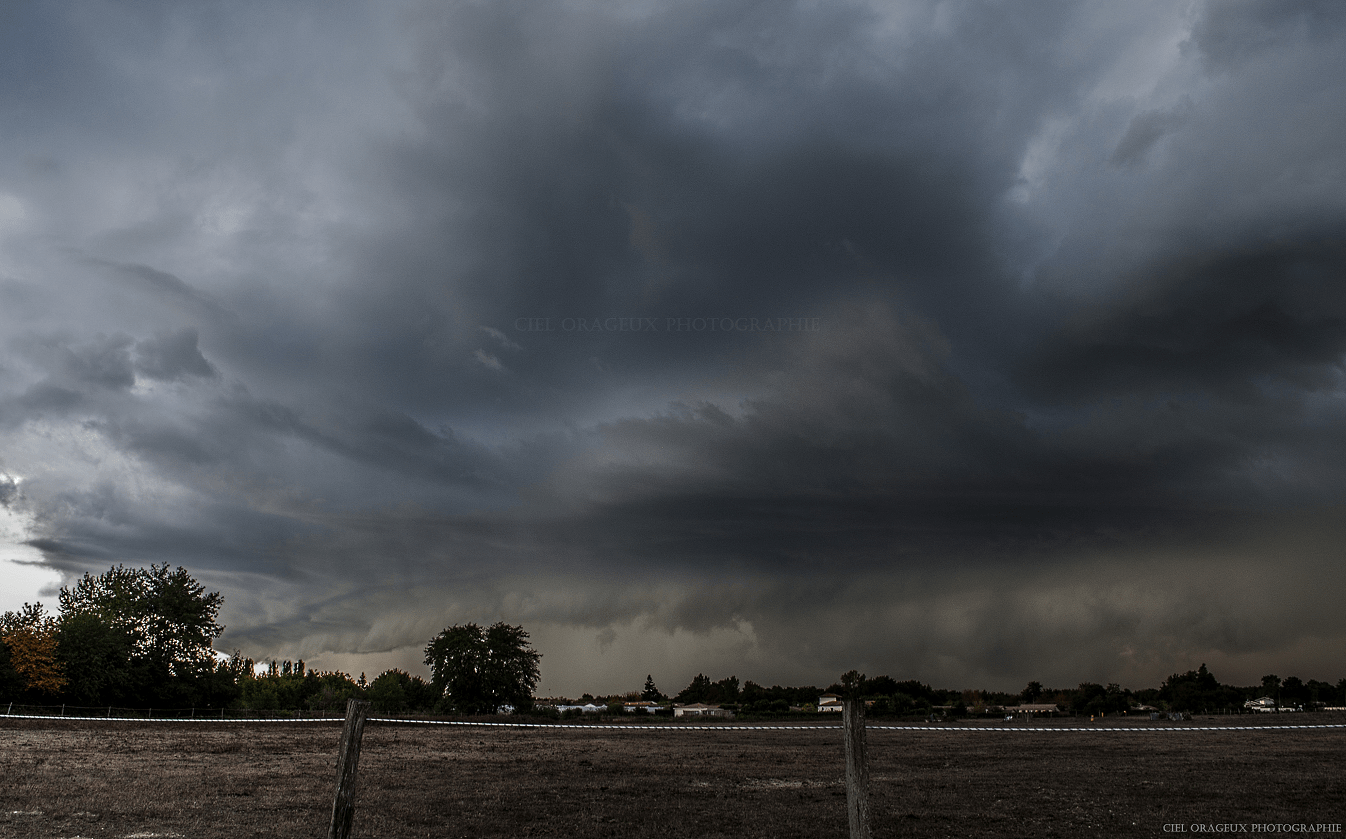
(198, 781)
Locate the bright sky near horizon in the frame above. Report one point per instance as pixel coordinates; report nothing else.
(26, 580)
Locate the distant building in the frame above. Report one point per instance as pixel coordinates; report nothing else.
(829, 703)
(1261, 705)
(550, 701)
(647, 707)
(1032, 709)
(697, 709)
(587, 708)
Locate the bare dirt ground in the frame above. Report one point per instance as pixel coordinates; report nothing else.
(197, 781)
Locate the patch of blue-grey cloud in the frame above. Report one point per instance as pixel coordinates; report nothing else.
(1052, 291)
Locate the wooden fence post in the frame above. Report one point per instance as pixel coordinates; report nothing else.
(348, 760)
(857, 767)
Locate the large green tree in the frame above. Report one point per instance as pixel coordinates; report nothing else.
(1199, 691)
(97, 659)
(144, 634)
(12, 683)
(479, 670)
(702, 689)
(397, 692)
(699, 690)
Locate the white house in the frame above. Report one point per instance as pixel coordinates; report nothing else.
(829, 702)
(1032, 708)
(698, 709)
(647, 707)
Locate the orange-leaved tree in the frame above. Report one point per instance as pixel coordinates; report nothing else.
(30, 636)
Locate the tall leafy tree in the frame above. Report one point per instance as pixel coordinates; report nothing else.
(852, 684)
(388, 693)
(11, 681)
(163, 618)
(1198, 691)
(29, 636)
(650, 693)
(396, 691)
(478, 670)
(97, 660)
(698, 691)
(1294, 691)
(702, 689)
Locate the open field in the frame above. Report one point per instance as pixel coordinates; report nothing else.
(201, 780)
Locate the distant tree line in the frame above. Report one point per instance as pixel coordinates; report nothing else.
(889, 696)
(142, 637)
(1196, 691)
(474, 670)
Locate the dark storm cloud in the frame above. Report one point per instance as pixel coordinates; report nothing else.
(1235, 325)
(162, 284)
(869, 451)
(76, 374)
(104, 362)
(1145, 130)
(172, 355)
(287, 309)
(38, 400)
(710, 172)
(1227, 34)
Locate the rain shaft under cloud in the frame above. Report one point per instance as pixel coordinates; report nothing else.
(967, 343)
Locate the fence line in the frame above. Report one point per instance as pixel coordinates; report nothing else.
(168, 719)
(943, 728)
(188, 714)
(1100, 728)
(719, 727)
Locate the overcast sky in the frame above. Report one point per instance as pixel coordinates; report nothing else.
(971, 342)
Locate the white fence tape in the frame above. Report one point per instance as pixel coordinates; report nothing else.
(942, 728)
(949, 729)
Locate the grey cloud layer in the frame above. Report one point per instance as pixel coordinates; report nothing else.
(272, 321)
